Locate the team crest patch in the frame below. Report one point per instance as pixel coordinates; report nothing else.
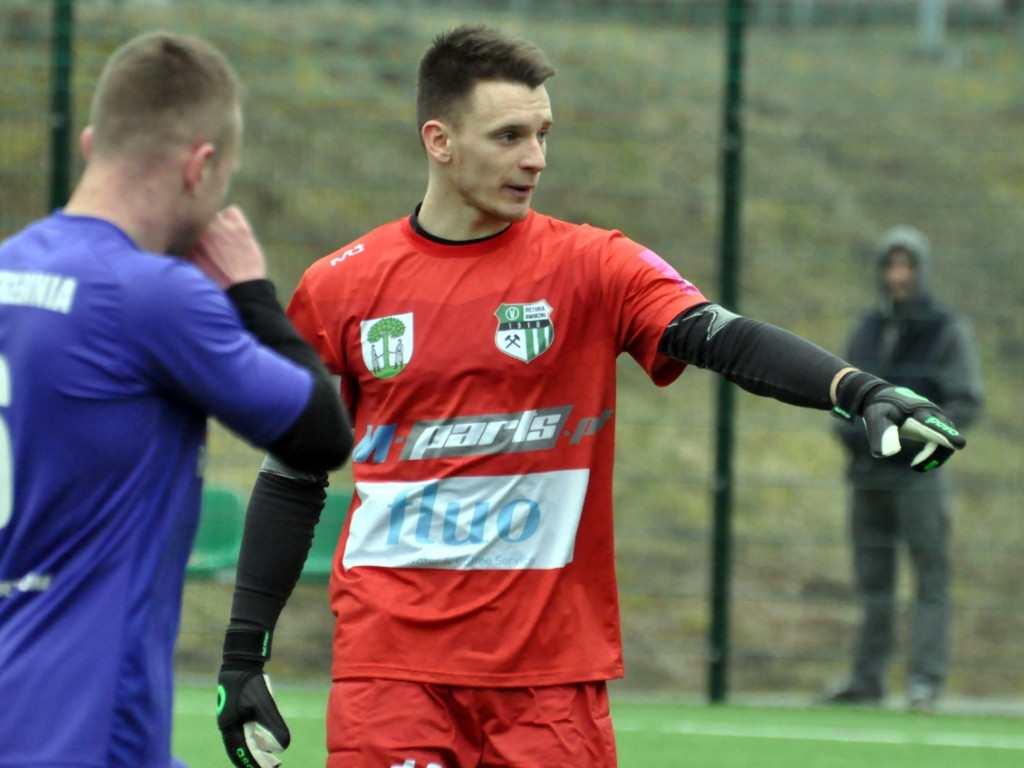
(387, 344)
(524, 330)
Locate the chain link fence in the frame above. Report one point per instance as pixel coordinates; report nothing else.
(857, 116)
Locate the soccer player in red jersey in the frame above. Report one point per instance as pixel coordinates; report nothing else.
(476, 341)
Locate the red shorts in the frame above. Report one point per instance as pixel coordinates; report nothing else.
(377, 723)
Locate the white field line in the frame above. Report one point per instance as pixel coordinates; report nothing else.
(861, 736)
(190, 706)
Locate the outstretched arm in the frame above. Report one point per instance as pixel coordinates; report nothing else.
(772, 362)
(760, 358)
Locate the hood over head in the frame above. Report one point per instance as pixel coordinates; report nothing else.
(913, 241)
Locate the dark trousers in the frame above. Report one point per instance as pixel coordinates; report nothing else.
(914, 516)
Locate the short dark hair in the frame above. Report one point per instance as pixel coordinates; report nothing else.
(464, 56)
(160, 90)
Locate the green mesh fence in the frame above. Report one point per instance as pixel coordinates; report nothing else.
(857, 116)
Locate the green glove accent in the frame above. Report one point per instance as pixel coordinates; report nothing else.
(893, 412)
(250, 723)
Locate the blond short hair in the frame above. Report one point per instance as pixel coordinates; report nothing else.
(160, 91)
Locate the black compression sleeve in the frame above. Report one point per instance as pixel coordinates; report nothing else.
(257, 305)
(320, 439)
(759, 357)
(279, 525)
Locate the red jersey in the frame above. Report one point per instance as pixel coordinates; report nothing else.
(481, 377)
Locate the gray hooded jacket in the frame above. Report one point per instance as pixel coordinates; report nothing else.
(916, 343)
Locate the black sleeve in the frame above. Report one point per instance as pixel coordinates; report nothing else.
(759, 357)
(321, 437)
(280, 521)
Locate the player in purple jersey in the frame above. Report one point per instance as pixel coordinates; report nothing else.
(126, 319)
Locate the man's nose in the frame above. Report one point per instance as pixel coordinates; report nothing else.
(535, 157)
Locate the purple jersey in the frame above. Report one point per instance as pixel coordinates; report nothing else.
(110, 360)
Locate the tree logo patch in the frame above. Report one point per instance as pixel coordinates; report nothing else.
(387, 344)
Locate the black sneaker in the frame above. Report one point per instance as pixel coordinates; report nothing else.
(848, 695)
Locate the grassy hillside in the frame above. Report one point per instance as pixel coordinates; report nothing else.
(849, 129)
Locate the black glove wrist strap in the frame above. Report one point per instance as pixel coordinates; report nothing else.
(852, 392)
(247, 645)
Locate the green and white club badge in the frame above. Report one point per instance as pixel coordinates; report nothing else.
(524, 330)
(387, 344)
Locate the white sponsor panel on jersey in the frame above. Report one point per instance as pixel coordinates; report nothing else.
(505, 522)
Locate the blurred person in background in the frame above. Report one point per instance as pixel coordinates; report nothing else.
(912, 341)
(474, 583)
(125, 319)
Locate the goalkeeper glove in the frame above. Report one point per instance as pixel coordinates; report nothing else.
(247, 715)
(892, 412)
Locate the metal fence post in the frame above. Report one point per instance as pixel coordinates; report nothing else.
(60, 112)
(731, 170)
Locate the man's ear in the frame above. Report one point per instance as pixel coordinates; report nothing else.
(85, 142)
(437, 140)
(197, 165)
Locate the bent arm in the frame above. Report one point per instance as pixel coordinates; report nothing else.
(320, 439)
